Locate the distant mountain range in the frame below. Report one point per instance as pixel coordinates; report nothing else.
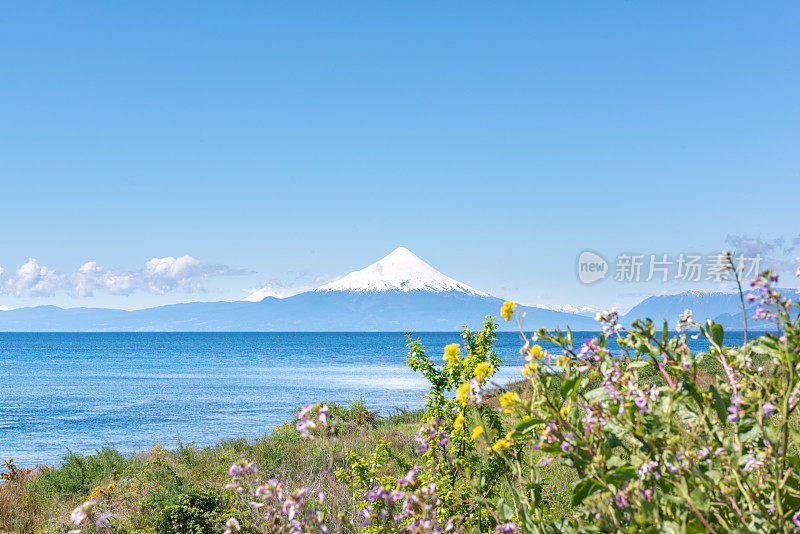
(398, 293)
(722, 308)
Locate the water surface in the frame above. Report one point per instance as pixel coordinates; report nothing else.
(78, 391)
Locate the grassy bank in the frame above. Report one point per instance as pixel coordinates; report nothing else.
(182, 490)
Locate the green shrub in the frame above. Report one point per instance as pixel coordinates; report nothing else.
(189, 510)
(79, 474)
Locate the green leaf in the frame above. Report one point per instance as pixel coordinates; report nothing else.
(748, 429)
(720, 405)
(717, 333)
(584, 489)
(699, 499)
(504, 511)
(600, 393)
(568, 385)
(527, 425)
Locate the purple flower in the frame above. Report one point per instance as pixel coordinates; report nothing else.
(323, 415)
(103, 520)
(232, 524)
(769, 409)
(410, 478)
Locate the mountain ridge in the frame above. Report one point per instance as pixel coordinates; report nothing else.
(400, 292)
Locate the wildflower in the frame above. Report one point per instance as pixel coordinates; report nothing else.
(501, 444)
(533, 352)
(508, 400)
(734, 408)
(621, 498)
(547, 460)
(461, 393)
(769, 409)
(323, 415)
(752, 463)
(685, 320)
(611, 320)
(459, 422)
(483, 369)
(451, 353)
(508, 310)
(506, 528)
(796, 520)
(471, 392)
(530, 369)
(111, 487)
(80, 513)
(305, 423)
(103, 520)
(477, 431)
(410, 478)
(232, 524)
(648, 467)
(430, 434)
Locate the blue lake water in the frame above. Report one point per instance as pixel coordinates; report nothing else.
(78, 391)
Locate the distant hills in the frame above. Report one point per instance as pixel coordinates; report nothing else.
(723, 308)
(398, 293)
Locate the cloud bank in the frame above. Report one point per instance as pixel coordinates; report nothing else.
(779, 254)
(159, 276)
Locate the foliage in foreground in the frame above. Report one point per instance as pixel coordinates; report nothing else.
(696, 453)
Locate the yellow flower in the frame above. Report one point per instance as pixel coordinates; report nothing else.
(461, 393)
(477, 431)
(483, 369)
(501, 444)
(451, 353)
(508, 310)
(459, 422)
(158, 450)
(530, 369)
(509, 399)
(111, 487)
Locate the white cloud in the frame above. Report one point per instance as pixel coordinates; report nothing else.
(34, 280)
(158, 276)
(91, 277)
(187, 274)
(5, 308)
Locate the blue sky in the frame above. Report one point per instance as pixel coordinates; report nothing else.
(288, 143)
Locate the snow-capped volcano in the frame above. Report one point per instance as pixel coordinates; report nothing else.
(400, 271)
(260, 294)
